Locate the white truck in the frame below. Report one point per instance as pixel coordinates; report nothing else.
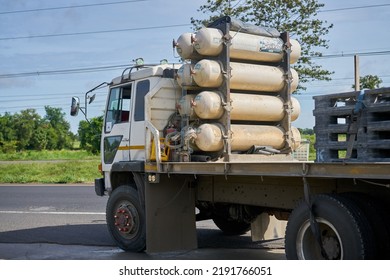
(212, 138)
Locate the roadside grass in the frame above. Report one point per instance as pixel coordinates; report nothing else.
(65, 166)
(72, 171)
(49, 155)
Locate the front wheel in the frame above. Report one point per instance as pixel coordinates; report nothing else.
(126, 219)
(342, 229)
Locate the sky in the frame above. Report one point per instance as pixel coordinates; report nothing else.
(49, 53)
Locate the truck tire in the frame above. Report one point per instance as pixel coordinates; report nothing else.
(231, 227)
(343, 230)
(126, 219)
(377, 214)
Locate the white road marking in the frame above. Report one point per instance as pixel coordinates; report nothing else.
(52, 213)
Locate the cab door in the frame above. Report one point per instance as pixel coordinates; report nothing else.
(137, 129)
(117, 122)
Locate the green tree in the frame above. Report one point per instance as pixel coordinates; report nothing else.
(369, 82)
(40, 139)
(7, 132)
(308, 131)
(298, 17)
(8, 139)
(25, 124)
(90, 134)
(58, 129)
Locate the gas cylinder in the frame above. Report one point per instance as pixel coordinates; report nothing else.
(209, 42)
(244, 107)
(208, 73)
(185, 106)
(210, 137)
(185, 48)
(184, 77)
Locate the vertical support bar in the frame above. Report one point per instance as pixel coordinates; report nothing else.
(285, 94)
(226, 86)
(224, 58)
(170, 215)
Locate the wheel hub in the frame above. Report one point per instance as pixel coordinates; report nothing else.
(124, 220)
(331, 247)
(307, 246)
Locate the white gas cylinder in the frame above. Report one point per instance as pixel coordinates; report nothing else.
(209, 41)
(184, 77)
(244, 107)
(185, 48)
(208, 73)
(185, 106)
(210, 137)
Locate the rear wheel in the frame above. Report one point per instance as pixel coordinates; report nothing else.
(378, 218)
(343, 230)
(126, 219)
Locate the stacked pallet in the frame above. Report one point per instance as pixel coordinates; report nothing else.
(353, 126)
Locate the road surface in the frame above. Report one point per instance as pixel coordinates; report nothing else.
(68, 222)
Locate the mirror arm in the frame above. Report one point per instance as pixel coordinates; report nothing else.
(84, 113)
(86, 98)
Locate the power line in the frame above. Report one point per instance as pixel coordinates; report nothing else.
(92, 32)
(133, 1)
(113, 67)
(51, 94)
(64, 71)
(62, 104)
(70, 7)
(29, 98)
(352, 54)
(354, 8)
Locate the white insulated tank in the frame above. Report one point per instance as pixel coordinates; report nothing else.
(208, 73)
(210, 137)
(244, 107)
(209, 42)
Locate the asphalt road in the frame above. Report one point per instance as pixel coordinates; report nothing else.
(68, 222)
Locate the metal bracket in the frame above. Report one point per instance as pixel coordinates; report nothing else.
(309, 203)
(353, 125)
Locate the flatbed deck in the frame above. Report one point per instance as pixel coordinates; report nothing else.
(353, 170)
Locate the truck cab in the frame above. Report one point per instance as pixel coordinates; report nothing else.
(123, 134)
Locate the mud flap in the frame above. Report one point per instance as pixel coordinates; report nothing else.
(170, 215)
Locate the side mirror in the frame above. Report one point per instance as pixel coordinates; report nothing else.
(75, 106)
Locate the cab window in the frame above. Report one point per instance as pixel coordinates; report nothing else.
(142, 89)
(118, 107)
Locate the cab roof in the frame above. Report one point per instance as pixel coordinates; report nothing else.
(145, 71)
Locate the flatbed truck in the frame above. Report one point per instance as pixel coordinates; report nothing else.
(166, 165)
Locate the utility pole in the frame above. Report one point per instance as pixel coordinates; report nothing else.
(357, 73)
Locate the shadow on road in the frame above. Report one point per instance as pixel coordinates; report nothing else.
(97, 235)
(90, 235)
